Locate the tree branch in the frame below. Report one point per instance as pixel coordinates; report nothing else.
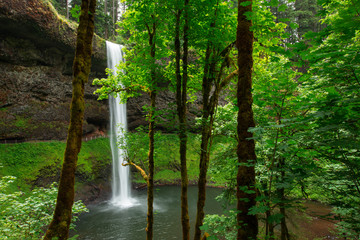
(142, 172)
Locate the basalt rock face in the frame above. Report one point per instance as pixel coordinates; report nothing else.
(36, 53)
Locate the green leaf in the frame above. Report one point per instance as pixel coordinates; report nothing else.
(273, 3)
(258, 209)
(244, 4)
(294, 25)
(275, 218)
(284, 19)
(282, 7)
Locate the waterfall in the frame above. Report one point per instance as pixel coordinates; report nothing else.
(121, 189)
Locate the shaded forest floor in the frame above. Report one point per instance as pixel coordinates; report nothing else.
(309, 220)
(314, 223)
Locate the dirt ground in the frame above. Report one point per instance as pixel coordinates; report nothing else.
(314, 222)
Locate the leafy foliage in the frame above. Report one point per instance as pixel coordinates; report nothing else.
(26, 216)
(306, 99)
(166, 154)
(220, 226)
(333, 81)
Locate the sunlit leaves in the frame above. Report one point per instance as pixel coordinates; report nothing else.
(26, 216)
(220, 226)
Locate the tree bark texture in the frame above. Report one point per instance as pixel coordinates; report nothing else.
(67, 9)
(213, 78)
(59, 227)
(181, 98)
(246, 194)
(203, 165)
(183, 131)
(150, 190)
(281, 192)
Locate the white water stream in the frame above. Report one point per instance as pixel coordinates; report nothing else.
(121, 189)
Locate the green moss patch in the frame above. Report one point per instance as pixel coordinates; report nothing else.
(33, 162)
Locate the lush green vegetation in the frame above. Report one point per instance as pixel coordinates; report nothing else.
(27, 212)
(167, 169)
(306, 105)
(25, 215)
(306, 99)
(30, 161)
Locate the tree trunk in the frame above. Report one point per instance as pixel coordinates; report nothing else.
(203, 165)
(181, 98)
(106, 23)
(116, 16)
(183, 134)
(209, 105)
(67, 9)
(246, 194)
(212, 78)
(59, 227)
(269, 226)
(269, 233)
(150, 190)
(284, 230)
(113, 12)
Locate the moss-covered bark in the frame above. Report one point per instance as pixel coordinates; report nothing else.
(150, 190)
(181, 98)
(153, 93)
(59, 227)
(213, 79)
(246, 194)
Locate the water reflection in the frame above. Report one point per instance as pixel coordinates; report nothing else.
(106, 221)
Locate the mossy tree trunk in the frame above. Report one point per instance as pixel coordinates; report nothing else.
(204, 155)
(181, 98)
(213, 79)
(246, 194)
(59, 227)
(150, 189)
(153, 93)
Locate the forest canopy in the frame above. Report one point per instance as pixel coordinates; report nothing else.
(305, 88)
(278, 83)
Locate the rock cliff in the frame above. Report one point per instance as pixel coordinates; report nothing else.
(36, 53)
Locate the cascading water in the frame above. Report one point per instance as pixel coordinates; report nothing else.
(121, 191)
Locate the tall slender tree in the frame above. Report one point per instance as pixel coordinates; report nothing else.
(59, 227)
(106, 22)
(153, 92)
(67, 9)
(181, 100)
(246, 194)
(217, 66)
(142, 21)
